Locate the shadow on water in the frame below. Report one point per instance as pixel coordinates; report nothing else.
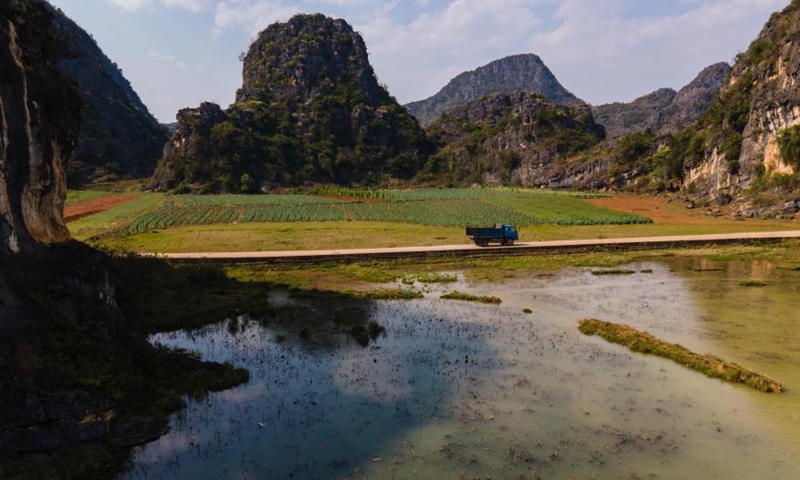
(454, 389)
(317, 405)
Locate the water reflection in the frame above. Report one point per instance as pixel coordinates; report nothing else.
(456, 390)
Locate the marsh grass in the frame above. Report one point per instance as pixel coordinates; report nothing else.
(618, 271)
(363, 335)
(466, 297)
(708, 365)
(392, 294)
(429, 277)
(753, 284)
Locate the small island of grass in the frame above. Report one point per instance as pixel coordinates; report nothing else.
(708, 365)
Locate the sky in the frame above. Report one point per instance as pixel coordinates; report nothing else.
(179, 53)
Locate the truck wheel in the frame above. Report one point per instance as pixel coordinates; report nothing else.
(510, 242)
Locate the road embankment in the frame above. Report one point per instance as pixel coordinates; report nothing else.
(472, 251)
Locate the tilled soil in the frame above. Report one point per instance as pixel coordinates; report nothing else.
(95, 205)
(656, 208)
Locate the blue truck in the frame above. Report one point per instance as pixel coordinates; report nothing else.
(504, 234)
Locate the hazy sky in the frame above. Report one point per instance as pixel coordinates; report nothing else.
(177, 53)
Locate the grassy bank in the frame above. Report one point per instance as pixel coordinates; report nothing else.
(363, 276)
(708, 365)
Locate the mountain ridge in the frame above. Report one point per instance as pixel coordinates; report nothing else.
(522, 72)
(119, 138)
(665, 110)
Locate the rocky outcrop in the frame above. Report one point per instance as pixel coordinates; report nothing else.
(119, 138)
(758, 108)
(310, 110)
(511, 74)
(519, 138)
(39, 112)
(70, 365)
(693, 100)
(665, 111)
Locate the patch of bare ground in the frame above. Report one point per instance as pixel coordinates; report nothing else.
(96, 205)
(658, 209)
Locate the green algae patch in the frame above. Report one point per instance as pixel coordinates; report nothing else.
(466, 297)
(709, 365)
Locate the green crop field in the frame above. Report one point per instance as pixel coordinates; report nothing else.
(341, 218)
(432, 207)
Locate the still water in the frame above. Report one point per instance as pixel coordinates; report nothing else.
(459, 390)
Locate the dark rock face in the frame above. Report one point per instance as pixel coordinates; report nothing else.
(519, 138)
(40, 111)
(40, 117)
(511, 74)
(310, 110)
(665, 110)
(119, 138)
(306, 57)
(69, 363)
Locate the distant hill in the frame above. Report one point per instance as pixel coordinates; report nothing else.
(665, 110)
(310, 110)
(510, 74)
(743, 152)
(516, 138)
(119, 138)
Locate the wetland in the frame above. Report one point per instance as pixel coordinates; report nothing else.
(438, 388)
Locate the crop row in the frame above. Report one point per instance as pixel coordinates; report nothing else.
(446, 213)
(185, 210)
(249, 200)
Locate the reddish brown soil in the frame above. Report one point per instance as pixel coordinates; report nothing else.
(655, 208)
(96, 205)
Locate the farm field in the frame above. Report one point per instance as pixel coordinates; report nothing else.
(340, 218)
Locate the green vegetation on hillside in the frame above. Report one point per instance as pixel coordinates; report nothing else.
(473, 149)
(789, 144)
(310, 110)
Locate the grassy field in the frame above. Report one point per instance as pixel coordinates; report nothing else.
(441, 208)
(348, 218)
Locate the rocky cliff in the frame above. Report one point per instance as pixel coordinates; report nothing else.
(119, 138)
(40, 111)
(511, 74)
(511, 138)
(750, 137)
(40, 119)
(665, 110)
(310, 110)
(72, 373)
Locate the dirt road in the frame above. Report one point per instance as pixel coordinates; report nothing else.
(530, 248)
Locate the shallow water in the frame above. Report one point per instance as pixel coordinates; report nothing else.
(460, 390)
